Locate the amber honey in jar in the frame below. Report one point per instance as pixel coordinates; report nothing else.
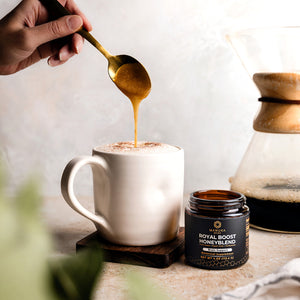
(216, 230)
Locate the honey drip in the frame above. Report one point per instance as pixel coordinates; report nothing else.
(133, 80)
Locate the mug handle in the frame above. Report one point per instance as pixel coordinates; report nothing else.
(67, 189)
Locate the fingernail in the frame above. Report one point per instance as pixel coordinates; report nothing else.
(52, 62)
(78, 46)
(74, 22)
(63, 55)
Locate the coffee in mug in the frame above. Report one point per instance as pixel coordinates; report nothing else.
(138, 191)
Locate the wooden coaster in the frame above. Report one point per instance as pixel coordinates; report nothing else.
(158, 256)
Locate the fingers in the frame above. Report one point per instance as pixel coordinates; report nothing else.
(77, 43)
(72, 7)
(49, 34)
(54, 30)
(54, 61)
(67, 51)
(43, 15)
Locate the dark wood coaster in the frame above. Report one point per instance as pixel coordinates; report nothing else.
(158, 256)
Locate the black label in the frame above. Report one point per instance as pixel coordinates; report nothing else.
(216, 243)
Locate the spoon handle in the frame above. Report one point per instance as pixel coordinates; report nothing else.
(57, 10)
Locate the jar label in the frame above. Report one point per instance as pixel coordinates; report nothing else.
(216, 243)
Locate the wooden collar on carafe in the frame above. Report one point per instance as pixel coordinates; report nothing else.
(278, 116)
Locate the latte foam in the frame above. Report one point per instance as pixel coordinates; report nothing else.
(142, 147)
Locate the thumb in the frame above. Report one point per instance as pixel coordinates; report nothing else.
(56, 29)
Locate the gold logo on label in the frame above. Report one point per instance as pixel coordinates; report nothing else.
(217, 224)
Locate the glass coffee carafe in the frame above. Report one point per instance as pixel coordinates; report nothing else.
(269, 173)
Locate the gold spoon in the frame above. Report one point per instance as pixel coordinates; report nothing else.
(132, 79)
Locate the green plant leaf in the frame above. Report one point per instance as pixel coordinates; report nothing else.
(75, 277)
(28, 202)
(24, 249)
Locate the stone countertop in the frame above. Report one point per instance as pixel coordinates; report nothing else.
(268, 251)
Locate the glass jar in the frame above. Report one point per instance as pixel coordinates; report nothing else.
(216, 230)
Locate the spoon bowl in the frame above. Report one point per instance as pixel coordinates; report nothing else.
(116, 61)
(129, 76)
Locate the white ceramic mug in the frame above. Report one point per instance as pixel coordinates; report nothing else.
(138, 196)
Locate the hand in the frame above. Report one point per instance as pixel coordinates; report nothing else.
(27, 36)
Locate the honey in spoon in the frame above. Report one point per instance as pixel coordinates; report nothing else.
(133, 80)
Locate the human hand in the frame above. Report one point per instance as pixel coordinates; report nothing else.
(27, 36)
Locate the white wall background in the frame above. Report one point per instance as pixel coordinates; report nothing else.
(202, 99)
